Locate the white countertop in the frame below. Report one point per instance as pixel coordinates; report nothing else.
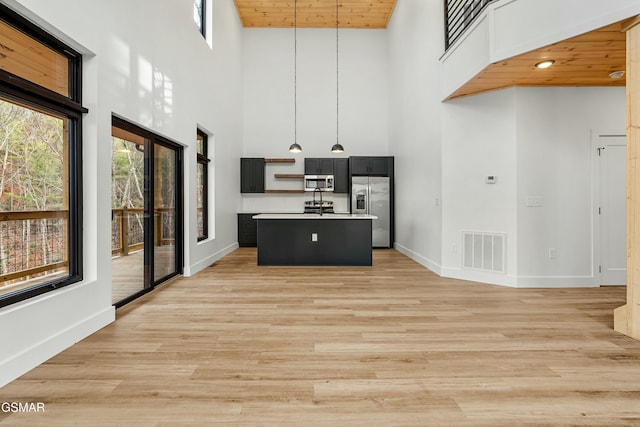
(313, 216)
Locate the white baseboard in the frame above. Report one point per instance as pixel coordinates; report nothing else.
(425, 262)
(39, 353)
(557, 282)
(201, 265)
(500, 279)
(480, 276)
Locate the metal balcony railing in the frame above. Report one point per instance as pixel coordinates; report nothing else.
(458, 16)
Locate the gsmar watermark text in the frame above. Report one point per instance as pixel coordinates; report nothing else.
(11, 407)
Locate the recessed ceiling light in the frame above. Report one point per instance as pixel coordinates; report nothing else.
(616, 74)
(545, 64)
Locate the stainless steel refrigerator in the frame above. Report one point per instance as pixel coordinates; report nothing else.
(372, 195)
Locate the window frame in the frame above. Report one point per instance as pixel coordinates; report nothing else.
(202, 27)
(203, 159)
(22, 91)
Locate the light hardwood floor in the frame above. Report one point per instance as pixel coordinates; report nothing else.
(393, 344)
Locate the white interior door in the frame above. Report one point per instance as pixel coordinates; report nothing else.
(612, 209)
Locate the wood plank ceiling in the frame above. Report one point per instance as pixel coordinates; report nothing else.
(585, 60)
(372, 14)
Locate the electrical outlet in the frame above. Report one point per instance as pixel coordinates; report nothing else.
(553, 253)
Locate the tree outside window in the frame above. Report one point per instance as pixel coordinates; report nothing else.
(33, 197)
(199, 16)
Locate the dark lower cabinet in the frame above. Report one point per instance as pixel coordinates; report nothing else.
(247, 230)
(251, 175)
(312, 241)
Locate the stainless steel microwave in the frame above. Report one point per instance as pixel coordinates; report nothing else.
(321, 182)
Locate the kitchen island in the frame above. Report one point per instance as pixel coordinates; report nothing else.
(314, 239)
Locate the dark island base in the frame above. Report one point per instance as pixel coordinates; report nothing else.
(289, 242)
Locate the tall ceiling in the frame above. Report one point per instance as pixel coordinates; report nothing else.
(585, 60)
(315, 13)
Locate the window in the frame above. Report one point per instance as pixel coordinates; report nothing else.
(203, 186)
(199, 16)
(40, 170)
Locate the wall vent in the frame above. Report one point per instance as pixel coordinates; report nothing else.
(484, 251)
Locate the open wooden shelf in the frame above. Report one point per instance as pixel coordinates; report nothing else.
(288, 160)
(289, 175)
(284, 191)
(284, 175)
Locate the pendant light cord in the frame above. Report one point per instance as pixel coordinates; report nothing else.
(337, 79)
(295, 71)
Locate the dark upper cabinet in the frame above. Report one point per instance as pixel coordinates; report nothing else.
(252, 175)
(378, 166)
(339, 168)
(318, 166)
(341, 175)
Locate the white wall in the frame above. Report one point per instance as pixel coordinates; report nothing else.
(554, 127)
(149, 65)
(268, 126)
(536, 141)
(479, 139)
(415, 43)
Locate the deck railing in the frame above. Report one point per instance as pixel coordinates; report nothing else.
(127, 229)
(458, 16)
(33, 244)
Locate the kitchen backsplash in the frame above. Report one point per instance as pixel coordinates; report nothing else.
(268, 203)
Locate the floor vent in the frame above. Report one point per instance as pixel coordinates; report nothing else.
(484, 251)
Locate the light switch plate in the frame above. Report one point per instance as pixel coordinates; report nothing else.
(534, 202)
(314, 237)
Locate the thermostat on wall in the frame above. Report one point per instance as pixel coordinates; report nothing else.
(491, 179)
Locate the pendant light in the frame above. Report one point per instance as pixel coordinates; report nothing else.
(337, 147)
(295, 147)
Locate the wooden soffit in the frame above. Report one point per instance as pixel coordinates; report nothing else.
(584, 60)
(371, 14)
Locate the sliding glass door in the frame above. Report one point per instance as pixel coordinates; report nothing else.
(165, 212)
(146, 211)
(127, 213)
